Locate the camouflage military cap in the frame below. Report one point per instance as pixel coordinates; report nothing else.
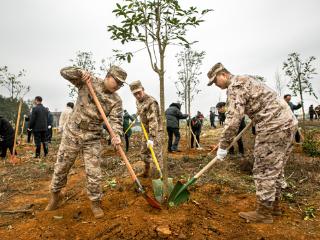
(118, 73)
(136, 86)
(213, 72)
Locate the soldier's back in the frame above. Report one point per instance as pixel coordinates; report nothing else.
(269, 111)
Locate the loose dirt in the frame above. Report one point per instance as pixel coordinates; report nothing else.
(211, 213)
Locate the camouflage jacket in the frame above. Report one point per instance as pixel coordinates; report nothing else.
(85, 114)
(150, 116)
(246, 95)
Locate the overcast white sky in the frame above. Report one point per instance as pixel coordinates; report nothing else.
(247, 36)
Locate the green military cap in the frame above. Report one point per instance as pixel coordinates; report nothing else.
(135, 86)
(118, 73)
(213, 72)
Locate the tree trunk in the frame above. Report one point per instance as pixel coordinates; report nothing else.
(12, 91)
(188, 97)
(301, 98)
(189, 111)
(165, 141)
(186, 111)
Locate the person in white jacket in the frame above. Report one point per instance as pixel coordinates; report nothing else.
(65, 116)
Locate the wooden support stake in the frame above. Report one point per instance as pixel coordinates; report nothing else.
(13, 160)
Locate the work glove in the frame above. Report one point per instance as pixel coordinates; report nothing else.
(116, 140)
(149, 143)
(49, 126)
(221, 154)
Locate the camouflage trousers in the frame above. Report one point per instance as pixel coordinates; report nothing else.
(271, 153)
(68, 150)
(157, 148)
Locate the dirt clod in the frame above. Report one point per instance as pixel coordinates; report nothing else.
(163, 231)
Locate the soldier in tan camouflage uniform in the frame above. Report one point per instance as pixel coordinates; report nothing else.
(149, 112)
(275, 127)
(83, 131)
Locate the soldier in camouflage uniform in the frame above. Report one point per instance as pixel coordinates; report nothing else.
(149, 112)
(275, 127)
(83, 131)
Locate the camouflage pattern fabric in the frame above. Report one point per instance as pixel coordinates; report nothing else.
(246, 95)
(85, 112)
(83, 131)
(149, 113)
(275, 127)
(68, 151)
(64, 118)
(271, 153)
(157, 148)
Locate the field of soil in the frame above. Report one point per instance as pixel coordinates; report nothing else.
(211, 213)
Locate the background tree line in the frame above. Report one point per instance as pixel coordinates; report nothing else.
(16, 90)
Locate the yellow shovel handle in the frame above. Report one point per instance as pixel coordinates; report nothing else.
(154, 158)
(131, 124)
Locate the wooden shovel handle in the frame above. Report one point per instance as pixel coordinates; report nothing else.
(235, 140)
(215, 159)
(16, 133)
(194, 136)
(104, 117)
(215, 148)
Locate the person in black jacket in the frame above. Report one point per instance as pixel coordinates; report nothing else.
(311, 112)
(240, 143)
(173, 115)
(50, 121)
(221, 107)
(126, 123)
(196, 126)
(7, 137)
(39, 126)
(29, 131)
(212, 119)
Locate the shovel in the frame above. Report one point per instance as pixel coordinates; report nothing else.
(194, 136)
(180, 194)
(212, 151)
(157, 184)
(131, 124)
(149, 199)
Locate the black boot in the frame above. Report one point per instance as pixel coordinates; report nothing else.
(38, 148)
(45, 148)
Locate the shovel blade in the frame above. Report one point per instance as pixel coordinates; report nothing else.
(152, 201)
(178, 195)
(149, 199)
(157, 185)
(182, 197)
